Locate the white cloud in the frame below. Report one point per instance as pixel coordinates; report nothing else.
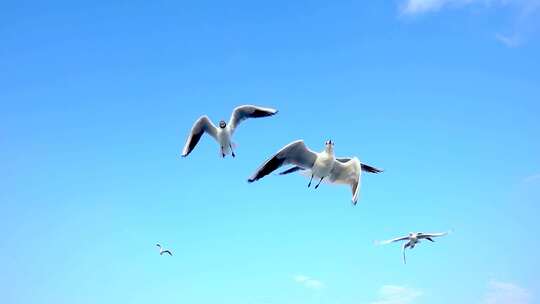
(412, 7)
(308, 281)
(506, 293)
(509, 41)
(525, 14)
(415, 7)
(393, 294)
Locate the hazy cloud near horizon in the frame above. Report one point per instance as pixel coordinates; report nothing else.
(395, 294)
(506, 293)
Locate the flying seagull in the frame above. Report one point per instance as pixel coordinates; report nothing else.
(162, 251)
(323, 165)
(223, 134)
(412, 239)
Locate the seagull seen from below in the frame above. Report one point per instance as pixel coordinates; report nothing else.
(322, 165)
(224, 132)
(163, 251)
(412, 239)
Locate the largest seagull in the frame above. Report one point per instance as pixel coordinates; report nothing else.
(323, 165)
(223, 134)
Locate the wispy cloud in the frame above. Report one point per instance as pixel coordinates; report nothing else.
(394, 294)
(506, 293)
(416, 7)
(525, 14)
(308, 281)
(413, 7)
(532, 178)
(509, 41)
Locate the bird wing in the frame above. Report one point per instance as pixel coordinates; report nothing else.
(347, 173)
(242, 113)
(294, 153)
(364, 167)
(203, 124)
(291, 170)
(422, 235)
(370, 169)
(166, 251)
(403, 238)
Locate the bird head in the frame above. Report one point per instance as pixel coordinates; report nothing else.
(329, 146)
(158, 245)
(222, 124)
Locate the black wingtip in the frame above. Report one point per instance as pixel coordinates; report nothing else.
(291, 170)
(370, 169)
(250, 180)
(375, 170)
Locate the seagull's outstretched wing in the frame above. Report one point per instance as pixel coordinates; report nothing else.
(403, 238)
(370, 169)
(291, 170)
(347, 173)
(166, 251)
(242, 113)
(203, 124)
(294, 153)
(422, 235)
(364, 167)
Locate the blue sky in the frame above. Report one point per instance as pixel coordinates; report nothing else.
(97, 99)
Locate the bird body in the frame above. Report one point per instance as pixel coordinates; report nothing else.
(323, 165)
(224, 131)
(225, 140)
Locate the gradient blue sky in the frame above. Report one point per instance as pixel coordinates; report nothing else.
(97, 98)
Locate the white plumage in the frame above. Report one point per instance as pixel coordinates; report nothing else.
(323, 165)
(224, 132)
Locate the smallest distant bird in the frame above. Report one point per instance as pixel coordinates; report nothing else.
(412, 239)
(162, 251)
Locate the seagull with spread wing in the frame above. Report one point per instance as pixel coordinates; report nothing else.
(223, 134)
(323, 165)
(162, 251)
(412, 239)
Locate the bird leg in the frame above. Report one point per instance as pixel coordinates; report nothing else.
(222, 153)
(317, 186)
(405, 247)
(308, 185)
(232, 151)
